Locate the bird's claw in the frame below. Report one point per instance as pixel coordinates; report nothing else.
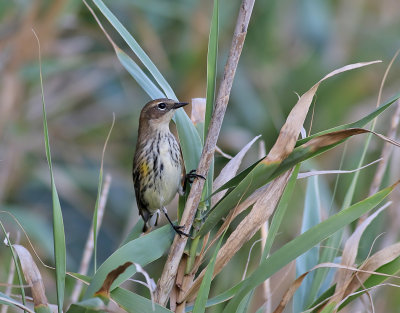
(177, 229)
(190, 177)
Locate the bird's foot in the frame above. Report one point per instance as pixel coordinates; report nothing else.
(177, 229)
(192, 175)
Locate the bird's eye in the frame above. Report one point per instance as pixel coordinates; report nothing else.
(162, 106)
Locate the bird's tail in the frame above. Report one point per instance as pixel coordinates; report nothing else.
(151, 221)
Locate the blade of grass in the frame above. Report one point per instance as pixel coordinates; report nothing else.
(142, 251)
(143, 57)
(4, 299)
(15, 260)
(308, 260)
(360, 123)
(137, 73)
(58, 224)
(189, 138)
(304, 242)
(333, 243)
(390, 268)
(202, 295)
(134, 303)
(99, 188)
(212, 55)
(134, 233)
(210, 98)
(228, 294)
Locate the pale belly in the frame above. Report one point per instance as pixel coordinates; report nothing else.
(167, 183)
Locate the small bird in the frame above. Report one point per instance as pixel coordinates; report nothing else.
(158, 169)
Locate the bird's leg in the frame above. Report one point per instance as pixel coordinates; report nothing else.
(190, 177)
(177, 228)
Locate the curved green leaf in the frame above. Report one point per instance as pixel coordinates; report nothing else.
(135, 232)
(143, 250)
(189, 138)
(143, 57)
(134, 303)
(137, 73)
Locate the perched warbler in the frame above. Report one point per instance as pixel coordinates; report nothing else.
(158, 169)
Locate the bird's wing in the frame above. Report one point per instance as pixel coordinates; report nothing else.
(143, 211)
(183, 173)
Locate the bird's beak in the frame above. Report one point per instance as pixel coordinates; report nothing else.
(178, 105)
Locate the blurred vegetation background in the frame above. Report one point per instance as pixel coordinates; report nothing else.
(290, 45)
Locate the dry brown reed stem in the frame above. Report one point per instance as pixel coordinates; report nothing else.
(89, 246)
(167, 279)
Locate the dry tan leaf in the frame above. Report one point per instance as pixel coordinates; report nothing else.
(291, 129)
(229, 171)
(104, 290)
(244, 231)
(239, 209)
(296, 284)
(344, 277)
(377, 260)
(290, 292)
(334, 137)
(32, 276)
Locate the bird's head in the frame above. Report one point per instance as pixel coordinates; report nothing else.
(160, 111)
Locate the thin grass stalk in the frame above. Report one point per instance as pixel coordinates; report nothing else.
(58, 223)
(89, 246)
(386, 152)
(99, 195)
(17, 267)
(266, 286)
(349, 195)
(170, 269)
(10, 277)
(380, 171)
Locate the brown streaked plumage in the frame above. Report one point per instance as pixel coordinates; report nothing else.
(157, 165)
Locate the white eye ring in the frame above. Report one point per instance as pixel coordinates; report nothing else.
(162, 106)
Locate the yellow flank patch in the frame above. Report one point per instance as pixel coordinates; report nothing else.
(144, 169)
